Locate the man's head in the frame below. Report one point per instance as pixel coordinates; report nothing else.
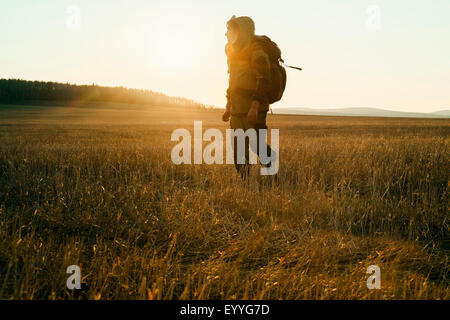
(232, 31)
(240, 31)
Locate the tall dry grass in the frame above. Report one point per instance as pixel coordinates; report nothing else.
(94, 186)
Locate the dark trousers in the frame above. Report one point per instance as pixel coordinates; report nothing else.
(241, 122)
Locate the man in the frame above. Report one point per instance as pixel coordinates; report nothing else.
(249, 75)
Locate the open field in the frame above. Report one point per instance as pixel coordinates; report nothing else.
(94, 186)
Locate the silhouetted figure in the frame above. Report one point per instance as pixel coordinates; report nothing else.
(249, 83)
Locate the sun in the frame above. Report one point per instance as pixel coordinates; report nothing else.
(172, 49)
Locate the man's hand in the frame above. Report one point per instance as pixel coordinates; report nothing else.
(252, 115)
(226, 115)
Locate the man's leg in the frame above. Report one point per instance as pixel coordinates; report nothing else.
(261, 124)
(242, 168)
(239, 122)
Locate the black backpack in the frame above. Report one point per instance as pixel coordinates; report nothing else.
(277, 71)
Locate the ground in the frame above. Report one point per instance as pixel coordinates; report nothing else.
(94, 186)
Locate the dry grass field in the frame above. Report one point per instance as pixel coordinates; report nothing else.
(94, 186)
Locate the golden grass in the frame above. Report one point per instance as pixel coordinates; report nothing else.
(94, 186)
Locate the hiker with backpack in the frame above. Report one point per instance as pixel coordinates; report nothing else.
(256, 79)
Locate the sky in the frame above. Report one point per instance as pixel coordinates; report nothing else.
(390, 54)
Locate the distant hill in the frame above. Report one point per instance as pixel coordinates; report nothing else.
(16, 91)
(442, 113)
(361, 112)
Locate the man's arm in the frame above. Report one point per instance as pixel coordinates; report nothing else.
(226, 115)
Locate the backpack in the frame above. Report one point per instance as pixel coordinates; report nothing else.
(277, 71)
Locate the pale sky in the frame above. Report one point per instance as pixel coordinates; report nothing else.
(391, 54)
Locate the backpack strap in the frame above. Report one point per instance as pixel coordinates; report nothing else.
(300, 69)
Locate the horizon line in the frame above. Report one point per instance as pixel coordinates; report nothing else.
(221, 107)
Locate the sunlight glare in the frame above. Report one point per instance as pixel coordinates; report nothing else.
(173, 49)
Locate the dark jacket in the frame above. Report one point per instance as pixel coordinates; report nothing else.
(248, 68)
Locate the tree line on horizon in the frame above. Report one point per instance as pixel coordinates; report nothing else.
(17, 91)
